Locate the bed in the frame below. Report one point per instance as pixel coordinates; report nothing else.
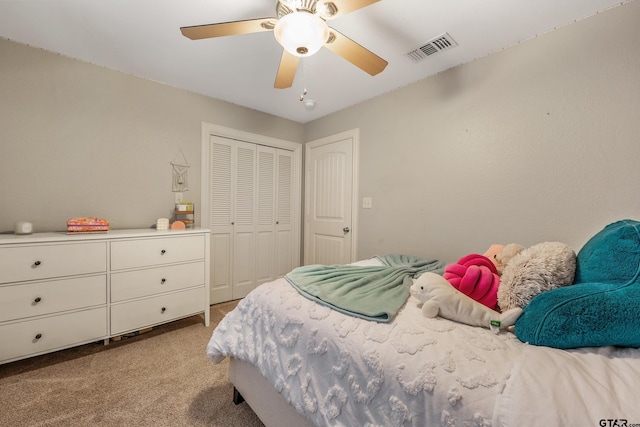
(297, 362)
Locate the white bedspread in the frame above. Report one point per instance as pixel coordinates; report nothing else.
(344, 371)
(580, 387)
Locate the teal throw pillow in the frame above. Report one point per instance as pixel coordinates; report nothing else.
(602, 307)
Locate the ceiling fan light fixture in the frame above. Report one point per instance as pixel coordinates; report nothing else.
(301, 33)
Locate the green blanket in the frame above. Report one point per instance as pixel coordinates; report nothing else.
(371, 292)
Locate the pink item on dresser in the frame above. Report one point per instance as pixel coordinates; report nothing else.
(87, 225)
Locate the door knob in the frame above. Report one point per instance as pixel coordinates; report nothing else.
(346, 229)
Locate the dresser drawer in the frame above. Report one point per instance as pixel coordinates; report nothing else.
(149, 252)
(147, 282)
(38, 298)
(139, 314)
(36, 262)
(52, 333)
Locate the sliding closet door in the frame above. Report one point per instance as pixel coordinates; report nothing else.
(284, 236)
(220, 204)
(232, 210)
(265, 259)
(274, 239)
(251, 216)
(244, 224)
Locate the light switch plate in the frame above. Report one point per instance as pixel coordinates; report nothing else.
(367, 203)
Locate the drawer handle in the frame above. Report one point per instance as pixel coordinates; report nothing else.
(162, 252)
(163, 309)
(163, 280)
(38, 336)
(37, 300)
(37, 263)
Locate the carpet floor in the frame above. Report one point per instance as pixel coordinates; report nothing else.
(159, 378)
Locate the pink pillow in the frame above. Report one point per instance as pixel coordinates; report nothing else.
(475, 276)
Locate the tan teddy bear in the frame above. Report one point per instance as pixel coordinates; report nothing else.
(502, 254)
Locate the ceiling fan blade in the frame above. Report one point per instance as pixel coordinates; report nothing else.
(286, 70)
(351, 51)
(346, 6)
(198, 32)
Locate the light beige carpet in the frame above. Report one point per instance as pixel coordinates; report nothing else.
(160, 378)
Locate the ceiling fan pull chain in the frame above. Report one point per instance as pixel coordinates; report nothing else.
(304, 87)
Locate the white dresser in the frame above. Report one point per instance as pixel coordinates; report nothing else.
(59, 290)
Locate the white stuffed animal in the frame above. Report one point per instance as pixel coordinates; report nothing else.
(438, 297)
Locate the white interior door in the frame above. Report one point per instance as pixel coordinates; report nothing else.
(330, 199)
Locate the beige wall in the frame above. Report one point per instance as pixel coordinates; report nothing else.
(537, 142)
(81, 140)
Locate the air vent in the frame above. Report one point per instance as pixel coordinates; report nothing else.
(433, 46)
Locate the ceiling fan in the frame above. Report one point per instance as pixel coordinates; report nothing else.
(301, 29)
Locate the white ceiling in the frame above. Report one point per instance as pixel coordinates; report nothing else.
(142, 38)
